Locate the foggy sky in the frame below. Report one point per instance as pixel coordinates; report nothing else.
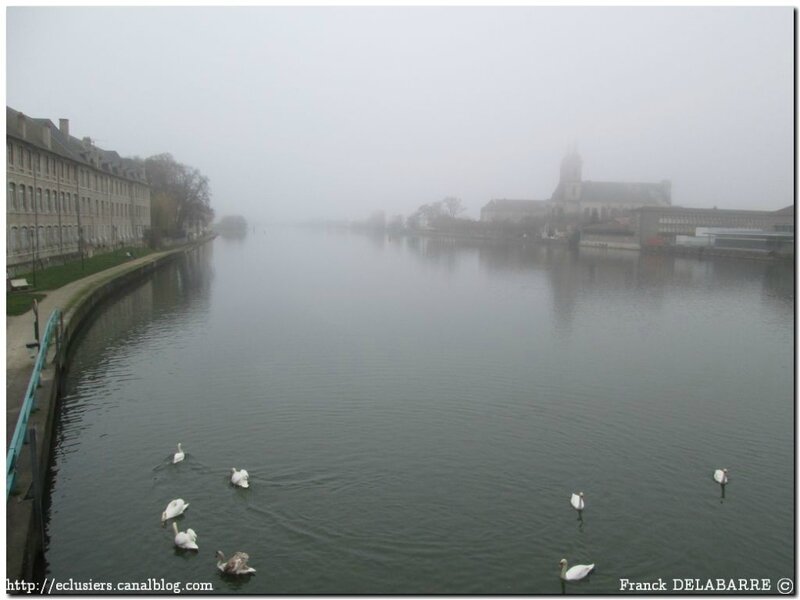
(337, 112)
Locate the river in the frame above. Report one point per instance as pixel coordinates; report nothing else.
(415, 413)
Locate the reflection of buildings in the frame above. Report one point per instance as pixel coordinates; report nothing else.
(64, 192)
(592, 280)
(189, 284)
(580, 277)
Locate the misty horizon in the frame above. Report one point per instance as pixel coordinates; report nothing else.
(300, 113)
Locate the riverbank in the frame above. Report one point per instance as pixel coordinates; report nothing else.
(77, 300)
(698, 253)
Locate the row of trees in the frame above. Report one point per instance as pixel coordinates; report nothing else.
(180, 197)
(444, 217)
(436, 213)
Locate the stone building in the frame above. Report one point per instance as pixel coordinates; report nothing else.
(660, 226)
(598, 201)
(67, 195)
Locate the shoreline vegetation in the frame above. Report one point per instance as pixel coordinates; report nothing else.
(231, 226)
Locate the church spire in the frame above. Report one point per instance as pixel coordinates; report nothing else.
(571, 165)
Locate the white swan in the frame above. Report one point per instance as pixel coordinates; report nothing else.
(179, 455)
(240, 478)
(721, 476)
(174, 508)
(575, 573)
(185, 539)
(235, 565)
(577, 501)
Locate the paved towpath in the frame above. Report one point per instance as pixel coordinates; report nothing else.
(19, 331)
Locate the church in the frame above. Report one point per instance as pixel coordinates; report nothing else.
(579, 200)
(595, 201)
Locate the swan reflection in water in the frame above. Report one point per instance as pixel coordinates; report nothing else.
(721, 477)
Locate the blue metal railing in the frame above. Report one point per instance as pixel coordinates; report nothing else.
(29, 403)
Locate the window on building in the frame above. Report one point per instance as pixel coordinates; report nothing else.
(47, 200)
(12, 196)
(39, 204)
(10, 153)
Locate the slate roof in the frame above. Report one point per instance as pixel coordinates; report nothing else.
(71, 147)
(607, 192)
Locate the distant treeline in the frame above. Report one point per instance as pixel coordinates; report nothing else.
(443, 217)
(231, 224)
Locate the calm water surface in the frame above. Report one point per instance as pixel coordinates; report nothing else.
(415, 413)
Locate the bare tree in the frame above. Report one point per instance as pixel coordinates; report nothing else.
(452, 206)
(425, 215)
(182, 190)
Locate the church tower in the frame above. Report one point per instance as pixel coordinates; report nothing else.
(570, 180)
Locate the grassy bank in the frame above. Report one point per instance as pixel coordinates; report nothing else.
(54, 277)
(20, 302)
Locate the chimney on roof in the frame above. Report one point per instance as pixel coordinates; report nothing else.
(46, 136)
(21, 124)
(63, 125)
